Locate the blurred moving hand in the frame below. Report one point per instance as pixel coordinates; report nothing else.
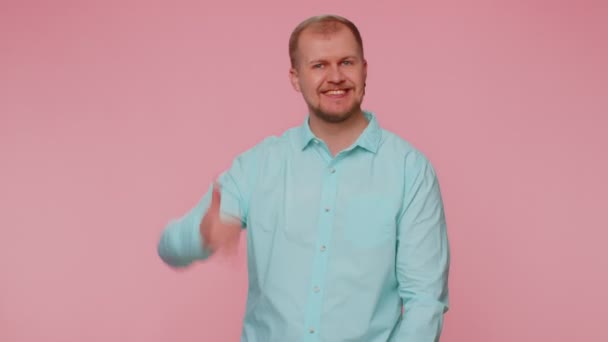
(219, 234)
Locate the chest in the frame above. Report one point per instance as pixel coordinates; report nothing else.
(355, 202)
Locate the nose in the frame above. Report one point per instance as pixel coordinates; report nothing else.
(335, 75)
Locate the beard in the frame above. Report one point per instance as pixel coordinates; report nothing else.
(335, 118)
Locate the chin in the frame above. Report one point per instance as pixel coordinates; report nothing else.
(334, 117)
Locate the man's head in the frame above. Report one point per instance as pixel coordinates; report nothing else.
(328, 67)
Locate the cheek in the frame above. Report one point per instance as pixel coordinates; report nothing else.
(357, 76)
(309, 86)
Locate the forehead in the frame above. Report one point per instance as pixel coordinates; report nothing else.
(331, 40)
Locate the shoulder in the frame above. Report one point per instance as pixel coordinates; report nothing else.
(402, 149)
(272, 145)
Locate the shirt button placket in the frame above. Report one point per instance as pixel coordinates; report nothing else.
(325, 229)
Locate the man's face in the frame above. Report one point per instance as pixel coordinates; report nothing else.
(330, 73)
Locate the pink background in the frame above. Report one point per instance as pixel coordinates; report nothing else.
(115, 116)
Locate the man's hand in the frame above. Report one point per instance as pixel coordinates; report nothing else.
(219, 234)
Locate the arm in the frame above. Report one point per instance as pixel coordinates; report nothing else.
(181, 242)
(423, 254)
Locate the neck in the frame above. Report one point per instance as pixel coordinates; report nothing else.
(340, 135)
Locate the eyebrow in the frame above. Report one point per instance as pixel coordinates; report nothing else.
(316, 61)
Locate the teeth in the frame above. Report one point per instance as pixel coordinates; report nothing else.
(336, 92)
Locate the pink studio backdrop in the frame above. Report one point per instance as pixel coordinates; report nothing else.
(115, 116)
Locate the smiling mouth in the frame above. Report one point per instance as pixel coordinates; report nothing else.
(336, 92)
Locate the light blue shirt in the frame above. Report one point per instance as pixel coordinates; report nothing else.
(336, 245)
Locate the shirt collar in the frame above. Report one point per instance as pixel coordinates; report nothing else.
(369, 138)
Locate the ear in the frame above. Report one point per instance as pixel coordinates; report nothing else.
(364, 75)
(294, 79)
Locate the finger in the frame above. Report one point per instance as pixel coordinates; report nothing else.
(215, 198)
(207, 243)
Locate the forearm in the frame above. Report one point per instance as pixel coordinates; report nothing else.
(181, 243)
(423, 269)
(422, 321)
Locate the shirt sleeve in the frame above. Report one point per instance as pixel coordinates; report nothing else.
(423, 254)
(181, 242)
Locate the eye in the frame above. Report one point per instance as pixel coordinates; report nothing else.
(347, 63)
(317, 66)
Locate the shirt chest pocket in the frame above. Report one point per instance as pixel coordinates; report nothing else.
(369, 221)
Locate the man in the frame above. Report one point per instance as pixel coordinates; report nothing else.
(345, 221)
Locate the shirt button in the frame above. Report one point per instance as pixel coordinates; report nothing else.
(311, 330)
(326, 210)
(332, 170)
(316, 289)
(323, 248)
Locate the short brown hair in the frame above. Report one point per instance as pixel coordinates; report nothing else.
(326, 24)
